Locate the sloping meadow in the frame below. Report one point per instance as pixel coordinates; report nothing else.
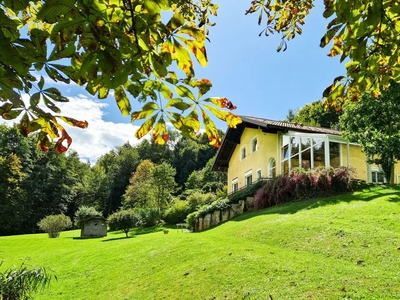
(337, 247)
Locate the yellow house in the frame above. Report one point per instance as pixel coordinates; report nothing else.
(261, 148)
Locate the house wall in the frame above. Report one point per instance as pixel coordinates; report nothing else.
(357, 161)
(267, 149)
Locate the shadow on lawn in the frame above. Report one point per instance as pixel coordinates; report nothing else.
(292, 207)
(135, 232)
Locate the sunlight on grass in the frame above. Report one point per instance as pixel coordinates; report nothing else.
(339, 247)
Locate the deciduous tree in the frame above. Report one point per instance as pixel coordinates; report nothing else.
(375, 125)
(316, 114)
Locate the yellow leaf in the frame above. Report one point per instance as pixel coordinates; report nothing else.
(231, 119)
(146, 111)
(146, 127)
(122, 101)
(160, 134)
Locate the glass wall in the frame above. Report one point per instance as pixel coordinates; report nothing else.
(308, 152)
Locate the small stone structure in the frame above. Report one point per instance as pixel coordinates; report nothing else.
(94, 227)
(219, 216)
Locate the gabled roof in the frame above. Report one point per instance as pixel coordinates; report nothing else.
(232, 136)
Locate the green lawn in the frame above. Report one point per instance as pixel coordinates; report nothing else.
(345, 247)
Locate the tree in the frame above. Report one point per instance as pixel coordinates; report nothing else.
(164, 184)
(123, 220)
(140, 192)
(13, 200)
(375, 125)
(316, 114)
(118, 166)
(133, 48)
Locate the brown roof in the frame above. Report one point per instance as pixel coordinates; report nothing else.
(232, 136)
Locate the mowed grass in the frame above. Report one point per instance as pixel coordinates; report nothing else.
(345, 247)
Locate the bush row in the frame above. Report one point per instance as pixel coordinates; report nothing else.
(219, 204)
(301, 184)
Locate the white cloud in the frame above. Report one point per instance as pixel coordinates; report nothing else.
(100, 137)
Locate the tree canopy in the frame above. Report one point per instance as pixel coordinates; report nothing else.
(315, 114)
(147, 50)
(375, 125)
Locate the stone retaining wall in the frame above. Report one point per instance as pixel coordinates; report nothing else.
(219, 216)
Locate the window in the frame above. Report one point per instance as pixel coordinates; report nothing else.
(248, 178)
(235, 185)
(243, 153)
(377, 176)
(254, 144)
(334, 153)
(271, 168)
(258, 174)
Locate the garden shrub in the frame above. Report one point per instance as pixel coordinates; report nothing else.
(301, 184)
(219, 204)
(54, 224)
(191, 220)
(149, 216)
(198, 199)
(123, 220)
(83, 213)
(177, 213)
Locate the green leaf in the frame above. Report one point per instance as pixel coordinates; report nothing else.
(178, 103)
(41, 83)
(185, 92)
(53, 9)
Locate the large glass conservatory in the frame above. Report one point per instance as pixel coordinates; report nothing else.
(309, 151)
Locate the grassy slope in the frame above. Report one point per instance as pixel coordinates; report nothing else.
(339, 247)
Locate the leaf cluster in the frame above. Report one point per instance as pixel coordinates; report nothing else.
(131, 49)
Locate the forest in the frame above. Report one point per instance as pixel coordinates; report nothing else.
(35, 184)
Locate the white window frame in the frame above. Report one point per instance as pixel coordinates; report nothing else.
(376, 170)
(243, 149)
(235, 182)
(247, 175)
(271, 167)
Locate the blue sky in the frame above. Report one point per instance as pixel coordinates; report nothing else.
(243, 67)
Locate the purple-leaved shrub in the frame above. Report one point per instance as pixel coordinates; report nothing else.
(301, 184)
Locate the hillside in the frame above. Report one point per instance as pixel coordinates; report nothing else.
(340, 247)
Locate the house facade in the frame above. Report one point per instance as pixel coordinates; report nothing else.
(261, 148)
